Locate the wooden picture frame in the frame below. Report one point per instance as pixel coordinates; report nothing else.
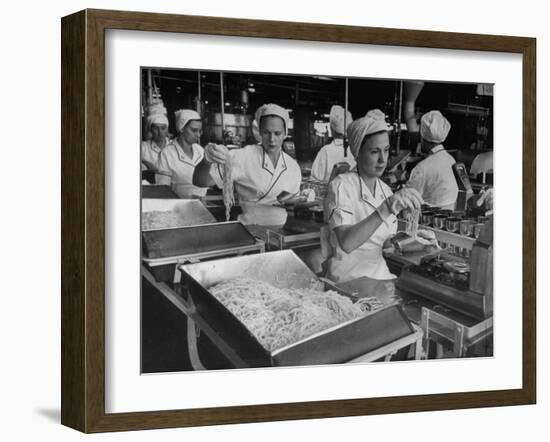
(83, 219)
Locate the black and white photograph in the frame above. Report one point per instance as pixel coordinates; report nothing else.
(245, 221)
(295, 220)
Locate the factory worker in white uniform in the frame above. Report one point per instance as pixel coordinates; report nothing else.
(261, 172)
(433, 177)
(157, 140)
(361, 209)
(178, 160)
(333, 153)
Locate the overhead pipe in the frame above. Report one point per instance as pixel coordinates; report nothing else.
(345, 141)
(411, 91)
(149, 87)
(222, 97)
(398, 144)
(199, 98)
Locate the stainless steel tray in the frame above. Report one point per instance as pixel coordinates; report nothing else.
(192, 240)
(157, 191)
(182, 213)
(284, 269)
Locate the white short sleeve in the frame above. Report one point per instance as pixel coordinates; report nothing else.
(339, 204)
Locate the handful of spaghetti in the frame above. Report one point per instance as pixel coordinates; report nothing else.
(412, 217)
(228, 194)
(279, 317)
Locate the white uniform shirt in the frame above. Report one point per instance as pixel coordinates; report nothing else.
(435, 180)
(348, 202)
(255, 178)
(176, 169)
(150, 151)
(327, 157)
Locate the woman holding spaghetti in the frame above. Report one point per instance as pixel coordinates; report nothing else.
(261, 172)
(361, 209)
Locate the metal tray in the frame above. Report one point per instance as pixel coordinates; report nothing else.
(192, 240)
(187, 212)
(163, 250)
(157, 191)
(284, 269)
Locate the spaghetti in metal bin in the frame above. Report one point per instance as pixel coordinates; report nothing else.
(279, 317)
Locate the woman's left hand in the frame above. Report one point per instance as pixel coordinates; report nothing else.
(427, 237)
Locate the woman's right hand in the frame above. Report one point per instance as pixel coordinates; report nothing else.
(216, 153)
(405, 198)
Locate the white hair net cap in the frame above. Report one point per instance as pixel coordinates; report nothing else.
(434, 127)
(337, 119)
(373, 122)
(156, 119)
(184, 116)
(156, 108)
(256, 131)
(273, 110)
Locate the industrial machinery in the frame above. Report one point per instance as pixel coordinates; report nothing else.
(463, 284)
(460, 290)
(464, 186)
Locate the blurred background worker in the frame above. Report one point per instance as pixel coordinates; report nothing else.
(178, 160)
(433, 177)
(333, 153)
(156, 136)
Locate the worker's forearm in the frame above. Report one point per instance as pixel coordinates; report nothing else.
(201, 175)
(163, 179)
(353, 237)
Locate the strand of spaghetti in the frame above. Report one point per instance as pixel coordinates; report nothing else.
(228, 193)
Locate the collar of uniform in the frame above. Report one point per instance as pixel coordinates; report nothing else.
(365, 193)
(182, 156)
(268, 165)
(157, 148)
(437, 148)
(338, 141)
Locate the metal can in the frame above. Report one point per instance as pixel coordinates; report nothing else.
(452, 224)
(427, 218)
(477, 229)
(439, 221)
(466, 227)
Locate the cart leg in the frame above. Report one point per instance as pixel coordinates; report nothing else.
(424, 326)
(192, 346)
(458, 347)
(439, 350)
(418, 348)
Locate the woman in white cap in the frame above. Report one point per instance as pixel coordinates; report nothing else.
(333, 153)
(178, 160)
(361, 209)
(433, 177)
(157, 134)
(261, 172)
